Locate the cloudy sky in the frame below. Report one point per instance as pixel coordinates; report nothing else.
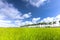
(15, 13)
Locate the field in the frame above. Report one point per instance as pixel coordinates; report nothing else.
(29, 33)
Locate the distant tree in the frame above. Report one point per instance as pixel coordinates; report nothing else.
(59, 22)
(47, 27)
(39, 24)
(54, 22)
(50, 23)
(43, 23)
(25, 25)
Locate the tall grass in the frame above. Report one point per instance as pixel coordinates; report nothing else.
(29, 33)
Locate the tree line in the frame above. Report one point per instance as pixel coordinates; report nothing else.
(41, 23)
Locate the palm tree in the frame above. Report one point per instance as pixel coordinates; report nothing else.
(59, 23)
(54, 22)
(43, 23)
(39, 24)
(50, 23)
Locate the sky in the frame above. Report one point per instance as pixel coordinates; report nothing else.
(15, 13)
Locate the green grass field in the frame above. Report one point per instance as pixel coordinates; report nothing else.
(29, 33)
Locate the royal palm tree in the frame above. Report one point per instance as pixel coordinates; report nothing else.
(50, 23)
(39, 24)
(54, 22)
(43, 23)
(59, 22)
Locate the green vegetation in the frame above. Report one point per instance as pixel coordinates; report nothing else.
(29, 33)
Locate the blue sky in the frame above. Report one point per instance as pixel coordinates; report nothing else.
(22, 12)
(48, 8)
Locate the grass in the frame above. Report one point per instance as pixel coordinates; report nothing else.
(29, 33)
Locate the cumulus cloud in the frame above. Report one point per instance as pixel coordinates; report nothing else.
(27, 15)
(27, 22)
(7, 23)
(9, 15)
(48, 19)
(35, 20)
(8, 10)
(51, 19)
(36, 3)
(57, 17)
(2, 17)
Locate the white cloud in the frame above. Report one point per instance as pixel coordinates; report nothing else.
(57, 17)
(48, 19)
(21, 23)
(2, 17)
(51, 19)
(7, 23)
(24, 16)
(27, 15)
(9, 15)
(36, 3)
(35, 20)
(27, 22)
(10, 11)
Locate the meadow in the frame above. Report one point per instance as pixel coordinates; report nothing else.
(29, 33)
